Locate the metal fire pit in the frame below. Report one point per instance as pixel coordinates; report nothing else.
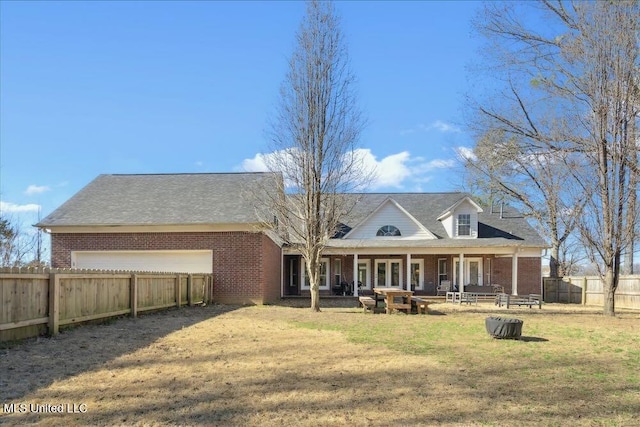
(503, 328)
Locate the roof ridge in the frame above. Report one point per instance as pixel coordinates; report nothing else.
(188, 173)
(411, 192)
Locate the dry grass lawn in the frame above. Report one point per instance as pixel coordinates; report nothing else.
(278, 365)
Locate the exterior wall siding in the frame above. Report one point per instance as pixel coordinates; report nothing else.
(465, 208)
(245, 265)
(389, 214)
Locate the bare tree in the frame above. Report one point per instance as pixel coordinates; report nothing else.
(633, 210)
(507, 166)
(15, 245)
(572, 76)
(313, 140)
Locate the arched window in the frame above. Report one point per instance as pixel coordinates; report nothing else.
(388, 230)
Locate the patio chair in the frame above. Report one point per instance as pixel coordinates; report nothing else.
(444, 287)
(497, 289)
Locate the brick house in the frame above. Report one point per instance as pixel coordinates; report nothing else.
(207, 223)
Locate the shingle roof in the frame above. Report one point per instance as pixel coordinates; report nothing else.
(225, 198)
(493, 228)
(162, 199)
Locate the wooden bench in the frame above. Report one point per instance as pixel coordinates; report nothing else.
(519, 300)
(468, 297)
(368, 303)
(421, 305)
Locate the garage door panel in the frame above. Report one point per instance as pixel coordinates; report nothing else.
(165, 261)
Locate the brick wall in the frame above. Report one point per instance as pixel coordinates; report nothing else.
(529, 274)
(246, 266)
(271, 266)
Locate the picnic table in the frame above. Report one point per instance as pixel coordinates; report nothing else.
(394, 298)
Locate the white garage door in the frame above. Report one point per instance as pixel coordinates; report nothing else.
(165, 261)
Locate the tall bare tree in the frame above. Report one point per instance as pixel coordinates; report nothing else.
(15, 245)
(508, 167)
(571, 74)
(313, 140)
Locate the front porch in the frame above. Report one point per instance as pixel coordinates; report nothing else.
(420, 273)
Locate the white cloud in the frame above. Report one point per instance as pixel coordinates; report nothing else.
(391, 171)
(441, 126)
(257, 164)
(440, 164)
(7, 207)
(396, 171)
(438, 125)
(36, 189)
(466, 153)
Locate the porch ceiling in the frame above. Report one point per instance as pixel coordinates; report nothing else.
(404, 246)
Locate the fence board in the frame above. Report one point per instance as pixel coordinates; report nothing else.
(589, 290)
(35, 300)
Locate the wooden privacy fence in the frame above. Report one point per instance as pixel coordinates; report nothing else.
(589, 290)
(34, 302)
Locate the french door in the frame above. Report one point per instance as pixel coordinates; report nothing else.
(388, 273)
(364, 274)
(472, 271)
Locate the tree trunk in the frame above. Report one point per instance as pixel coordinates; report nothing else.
(553, 260)
(315, 297)
(313, 271)
(609, 290)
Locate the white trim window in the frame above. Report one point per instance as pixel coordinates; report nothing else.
(472, 271)
(442, 270)
(324, 275)
(388, 231)
(388, 273)
(464, 225)
(364, 273)
(417, 274)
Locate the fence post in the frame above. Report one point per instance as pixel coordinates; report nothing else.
(178, 289)
(189, 289)
(54, 304)
(209, 289)
(133, 295)
(584, 291)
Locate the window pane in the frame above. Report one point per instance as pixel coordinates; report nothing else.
(362, 273)
(395, 274)
(382, 275)
(415, 274)
(388, 230)
(464, 225)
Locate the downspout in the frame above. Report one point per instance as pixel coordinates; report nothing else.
(408, 271)
(281, 273)
(514, 273)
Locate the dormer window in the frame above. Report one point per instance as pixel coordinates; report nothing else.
(464, 225)
(388, 231)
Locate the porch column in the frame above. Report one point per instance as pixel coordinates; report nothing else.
(461, 273)
(409, 272)
(355, 275)
(514, 273)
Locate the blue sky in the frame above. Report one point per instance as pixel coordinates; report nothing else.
(88, 88)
